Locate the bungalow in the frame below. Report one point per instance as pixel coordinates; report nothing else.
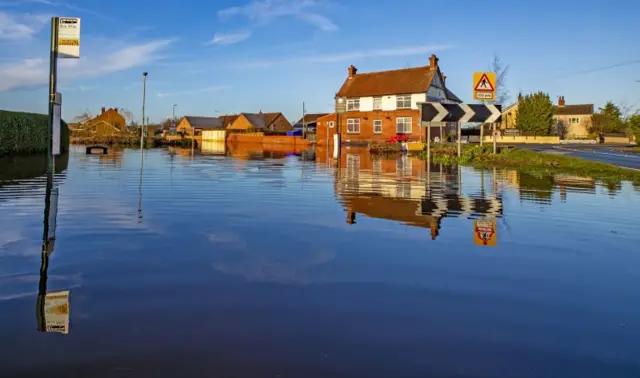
(260, 122)
(376, 106)
(188, 124)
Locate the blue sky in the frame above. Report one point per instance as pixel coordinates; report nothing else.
(227, 56)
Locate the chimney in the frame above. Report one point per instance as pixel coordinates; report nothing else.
(520, 97)
(102, 110)
(561, 101)
(352, 70)
(444, 80)
(433, 61)
(115, 110)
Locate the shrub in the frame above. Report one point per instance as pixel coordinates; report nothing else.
(26, 133)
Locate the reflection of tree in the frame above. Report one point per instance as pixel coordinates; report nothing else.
(613, 187)
(536, 188)
(14, 168)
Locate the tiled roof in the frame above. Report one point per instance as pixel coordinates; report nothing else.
(451, 96)
(257, 120)
(406, 80)
(311, 118)
(583, 109)
(205, 122)
(270, 117)
(228, 119)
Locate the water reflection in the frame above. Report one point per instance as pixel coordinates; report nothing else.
(409, 191)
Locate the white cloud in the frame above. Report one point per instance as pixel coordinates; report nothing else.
(265, 11)
(194, 91)
(229, 38)
(15, 27)
(347, 56)
(56, 4)
(30, 72)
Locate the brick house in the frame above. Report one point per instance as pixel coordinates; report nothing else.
(260, 122)
(188, 124)
(380, 105)
(576, 118)
(107, 119)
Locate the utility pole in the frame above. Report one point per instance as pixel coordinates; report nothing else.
(144, 99)
(304, 125)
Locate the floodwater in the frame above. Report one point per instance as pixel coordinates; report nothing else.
(294, 264)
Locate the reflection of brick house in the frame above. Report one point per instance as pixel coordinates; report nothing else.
(380, 105)
(108, 121)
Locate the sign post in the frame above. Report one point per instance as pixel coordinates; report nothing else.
(459, 113)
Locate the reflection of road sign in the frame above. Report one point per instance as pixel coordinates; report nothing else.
(484, 86)
(437, 112)
(69, 37)
(484, 232)
(56, 312)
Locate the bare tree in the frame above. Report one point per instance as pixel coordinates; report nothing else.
(502, 73)
(128, 116)
(83, 117)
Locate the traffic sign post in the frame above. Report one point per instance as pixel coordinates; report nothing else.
(459, 113)
(484, 86)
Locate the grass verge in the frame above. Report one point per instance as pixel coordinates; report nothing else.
(530, 161)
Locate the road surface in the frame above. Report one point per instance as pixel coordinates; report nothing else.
(602, 153)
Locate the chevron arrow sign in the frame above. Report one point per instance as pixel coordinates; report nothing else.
(438, 112)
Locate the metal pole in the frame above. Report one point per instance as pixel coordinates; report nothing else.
(481, 133)
(428, 141)
(53, 84)
(304, 126)
(495, 141)
(459, 138)
(144, 99)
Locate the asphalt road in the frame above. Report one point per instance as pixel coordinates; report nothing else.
(602, 153)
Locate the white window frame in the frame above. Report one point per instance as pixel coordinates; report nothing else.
(353, 122)
(353, 104)
(377, 121)
(401, 102)
(377, 103)
(331, 124)
(404, 119)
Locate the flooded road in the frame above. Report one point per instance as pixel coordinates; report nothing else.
(273, 264)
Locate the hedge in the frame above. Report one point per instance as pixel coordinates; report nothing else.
(26, 133)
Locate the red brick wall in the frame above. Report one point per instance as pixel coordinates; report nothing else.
(245, 138)
(288, 140)
(366, 134)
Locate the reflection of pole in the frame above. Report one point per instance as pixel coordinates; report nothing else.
(459, 138)
(44, 264)
(140, 187)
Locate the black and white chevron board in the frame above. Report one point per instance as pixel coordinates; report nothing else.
(438, 112)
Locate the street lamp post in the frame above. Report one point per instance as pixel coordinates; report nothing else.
(144, 98)
(174, 113)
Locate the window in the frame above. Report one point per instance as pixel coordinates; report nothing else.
(331, 124)
(377, 103)
(377, 126)
(353, 104)
(353, 126)
(403, 125)
(574, 120)
(353, 166)
(403, 102)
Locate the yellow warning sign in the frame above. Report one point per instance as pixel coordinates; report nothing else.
(484, 232)
(484, 86)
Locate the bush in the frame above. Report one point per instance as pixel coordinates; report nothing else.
(26, 133)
